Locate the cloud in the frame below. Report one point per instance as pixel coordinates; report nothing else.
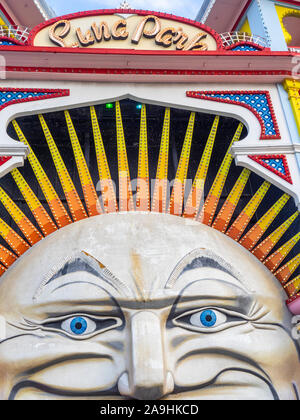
(176, 7)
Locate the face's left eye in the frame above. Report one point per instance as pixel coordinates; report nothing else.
(202, 320)
(79, 325)
(208, 318)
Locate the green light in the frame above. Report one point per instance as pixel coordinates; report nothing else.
(109, 106)
(139, 106)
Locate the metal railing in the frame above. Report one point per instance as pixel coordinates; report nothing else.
(19, 33)
(294, 49)
(231, 38)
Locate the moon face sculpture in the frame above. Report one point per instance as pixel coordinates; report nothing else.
(141, 306)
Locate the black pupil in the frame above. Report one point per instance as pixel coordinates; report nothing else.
(208, 318)
(78, 326)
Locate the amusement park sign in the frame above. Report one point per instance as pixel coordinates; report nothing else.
(139, 31)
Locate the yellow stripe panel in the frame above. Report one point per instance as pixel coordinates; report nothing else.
(240, 225)
(177, 197)
(89, 192)
(143, 186)
(194, 200)
(7, 258)
(253, 236)
(13, 239)
(29, 231)
(285, 272)
(42, 217)
(125, 194)
(75, 205)
(293, 286)
(106, 184)
(210, 206)
(59, 212)
(278, 256)
(225, 214)
(160, 194)
(263, 249)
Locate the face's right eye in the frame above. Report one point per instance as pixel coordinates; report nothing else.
(79, 325)
(208, 318)
(82, 326)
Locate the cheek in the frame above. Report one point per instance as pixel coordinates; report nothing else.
(199, 358)
(62, 363)
(88, 375)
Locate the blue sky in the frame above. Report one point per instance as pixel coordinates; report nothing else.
(176, 7)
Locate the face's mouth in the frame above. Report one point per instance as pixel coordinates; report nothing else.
(62, 393)
(256, 388)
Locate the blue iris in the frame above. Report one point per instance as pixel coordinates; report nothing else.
(78, 325)
(208, 318)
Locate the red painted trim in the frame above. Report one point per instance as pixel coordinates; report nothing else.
(13, 40)
(88, 13)
(247, 43)
(174, 72)
(4, 159)
(58, 50)
(50, 93)
(7, 15)
(259, 159)
(290, 2)
(264, 136)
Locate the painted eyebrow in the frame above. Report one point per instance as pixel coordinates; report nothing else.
(200, 258)
(83, 262)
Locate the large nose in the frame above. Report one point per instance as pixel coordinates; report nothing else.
(147, 377)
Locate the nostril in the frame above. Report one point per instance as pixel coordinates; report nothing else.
(144, 392)
(123, 385)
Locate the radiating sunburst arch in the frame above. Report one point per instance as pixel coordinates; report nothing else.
(128, 156)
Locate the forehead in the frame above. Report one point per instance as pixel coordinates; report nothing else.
(134, 247)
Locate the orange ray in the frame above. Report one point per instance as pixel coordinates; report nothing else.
(207, 214)
(253, 236)
(57, 208)
(240, 225)
(75, 205)
(106, 184)
(160, 195)
(263, 249)
(125, 194)
(177, 197)
(88, 188)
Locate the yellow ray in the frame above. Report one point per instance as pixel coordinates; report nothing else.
(284, 273)
(29, 231)
(13, 239)
(160, 194)
(106, 184)
(57, 208)
(75, 205)
(273, 262)
(253, 236)
(41, 216)
(293, 286)
(143, 187)
(240, 224)
(125, 190)
(193, 203)
(211, 203)
(177, 197)
(264, 248)
(89, 192)
(225, 214)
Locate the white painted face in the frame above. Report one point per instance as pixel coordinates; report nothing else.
(145, 306)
